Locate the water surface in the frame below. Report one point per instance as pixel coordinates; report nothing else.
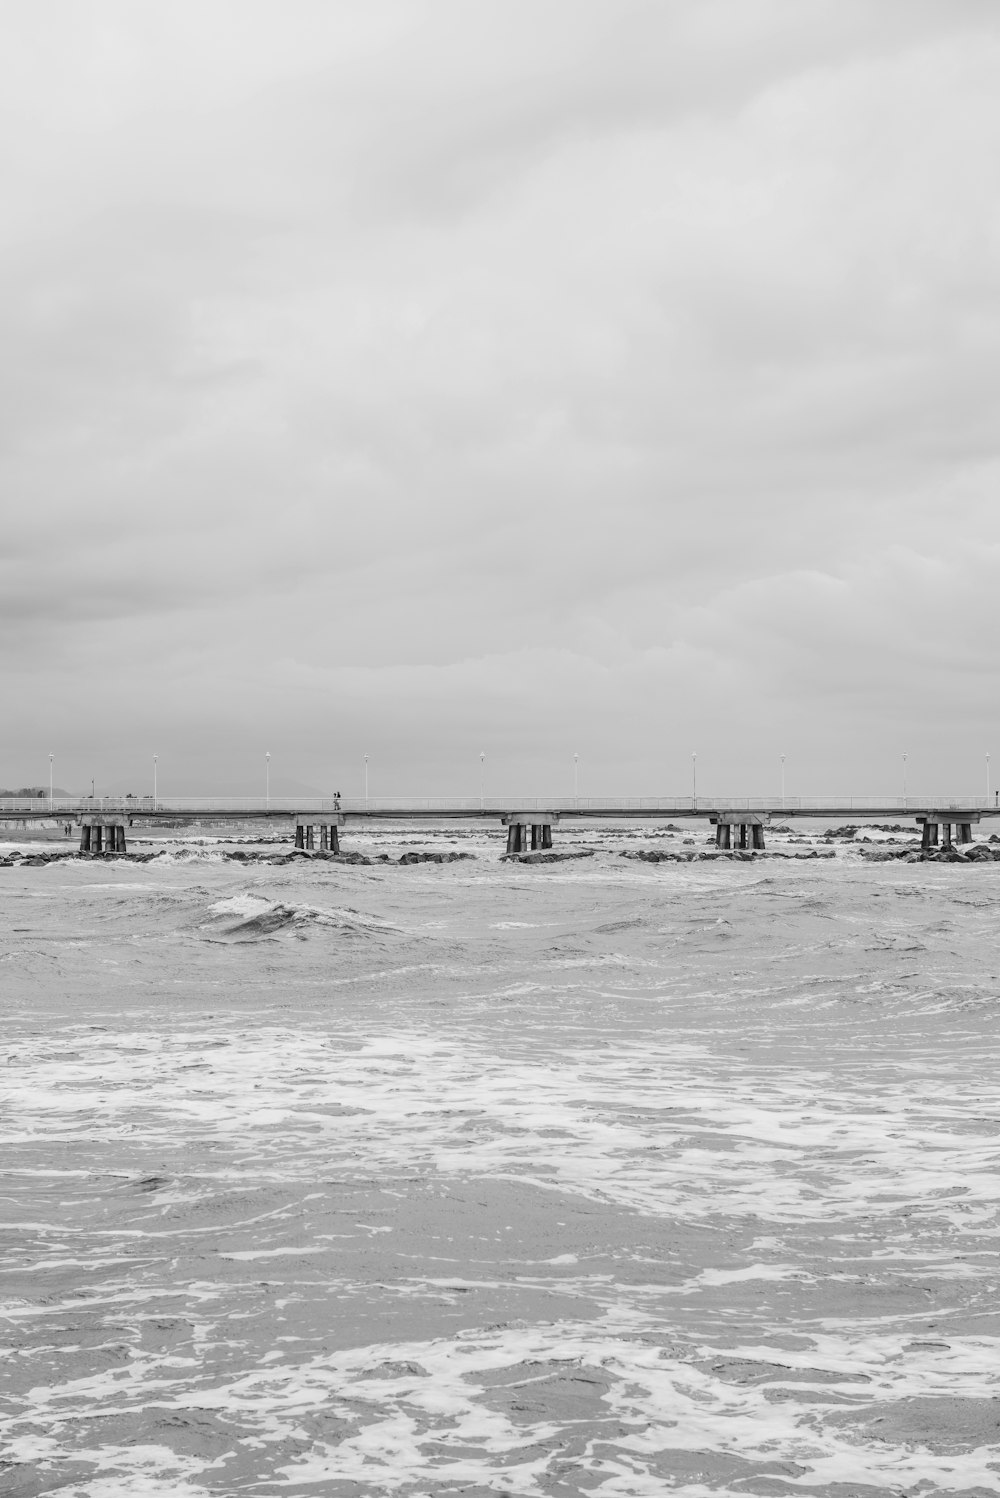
(591, 1178)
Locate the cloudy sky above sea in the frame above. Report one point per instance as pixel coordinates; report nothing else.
(421, 379)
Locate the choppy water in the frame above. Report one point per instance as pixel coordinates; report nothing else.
(593, 1178)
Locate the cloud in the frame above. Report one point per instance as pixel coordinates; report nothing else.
(576, 378)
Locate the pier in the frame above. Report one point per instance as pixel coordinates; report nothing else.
(740, 822)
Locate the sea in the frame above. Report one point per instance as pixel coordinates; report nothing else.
(586, 1177)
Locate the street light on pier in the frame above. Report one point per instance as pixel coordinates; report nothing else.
(782, 782)
(694, 782)
(155, 759)
(51, 759)
(366, 782)
(482, 779)
(267, 780)
(905, 758)
(987, 777)
(576, 779)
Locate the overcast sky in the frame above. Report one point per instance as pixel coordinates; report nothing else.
(569, 376)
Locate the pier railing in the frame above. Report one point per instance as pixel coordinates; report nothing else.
(257, 806)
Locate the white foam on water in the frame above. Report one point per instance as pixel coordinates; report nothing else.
(644, 1126)
(802, 1276)
(422, 1414)
(243, 904)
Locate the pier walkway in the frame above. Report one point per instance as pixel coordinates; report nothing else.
(740, 822)
(474, 808)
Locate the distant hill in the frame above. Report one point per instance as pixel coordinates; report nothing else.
(25, 792)
(280, 786)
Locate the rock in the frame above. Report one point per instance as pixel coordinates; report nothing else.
(546, 857)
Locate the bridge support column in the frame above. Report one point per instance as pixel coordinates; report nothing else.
(521, 824)
(329, 824)
(102, 833)
(941, 821)
(744, 829)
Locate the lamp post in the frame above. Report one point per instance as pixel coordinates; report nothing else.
(155, 759)
(267, 780)
(987, 777)
(782, 782)
(482, 779)
(576, 779)
(905, 758)
(694, 782)
(51, 758)
(366, 782)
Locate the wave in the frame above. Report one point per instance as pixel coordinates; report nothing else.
(259, 918)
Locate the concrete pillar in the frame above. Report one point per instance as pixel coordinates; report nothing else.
(84, 839)
(743, 835)
(930, 835)
(97, 839)
(723, 835)
(534, 825)
(758, 837)
(316, 830)
(946, 834)
(965, 832)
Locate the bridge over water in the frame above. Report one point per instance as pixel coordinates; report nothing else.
(739, 821)
(427, 808)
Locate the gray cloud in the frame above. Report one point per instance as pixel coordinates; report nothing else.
(416, 379)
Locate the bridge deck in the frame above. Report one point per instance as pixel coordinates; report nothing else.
(224, 809)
